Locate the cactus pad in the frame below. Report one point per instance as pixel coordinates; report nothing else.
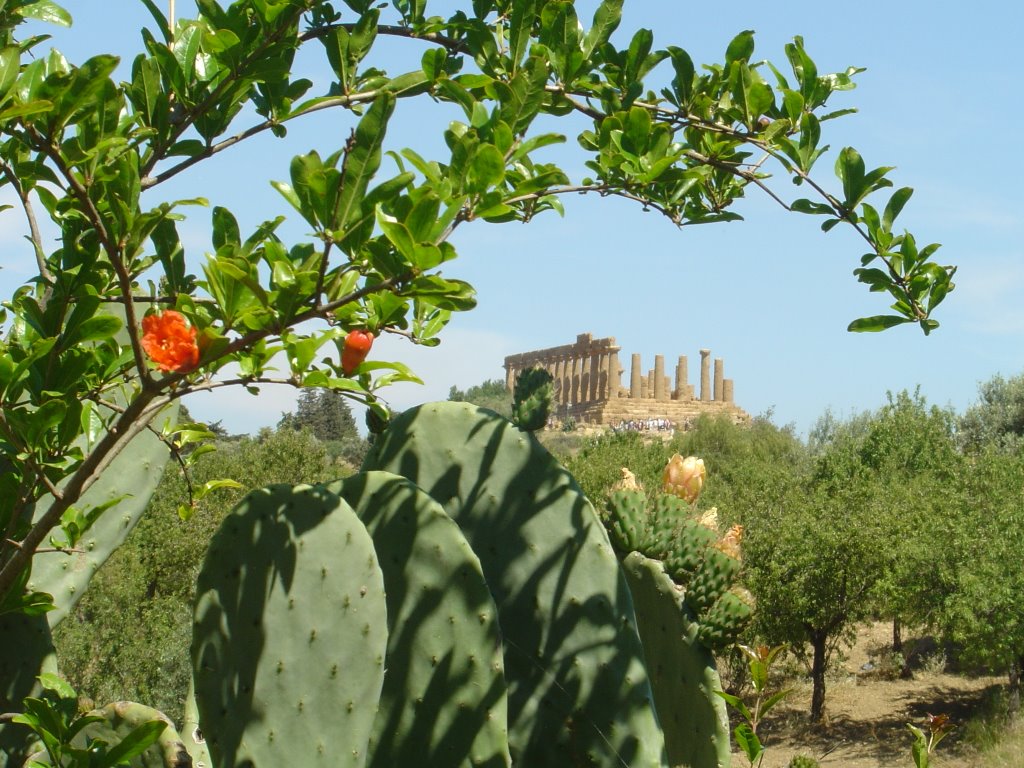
(682, 670)
(290, 633)
(578, 690)
(444, 701)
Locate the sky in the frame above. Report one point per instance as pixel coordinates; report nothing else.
(772, 295)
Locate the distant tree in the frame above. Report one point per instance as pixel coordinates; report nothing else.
(997, 419)
(982, 614)
(910, 448)
(491, 394)
(325, 413)
(812, 559)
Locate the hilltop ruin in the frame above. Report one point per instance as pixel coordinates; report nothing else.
(588, 385)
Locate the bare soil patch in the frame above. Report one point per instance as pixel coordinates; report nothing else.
(867, 712)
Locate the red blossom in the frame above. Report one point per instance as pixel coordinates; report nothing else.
(170, 341)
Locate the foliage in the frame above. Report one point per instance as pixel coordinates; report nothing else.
(93, 154)
(327, 415)
(813, 559)
(982, 612)
(491, 394)
(114, 326)
(56, 721)
(129, 636)
(760, 660)
(998, 419)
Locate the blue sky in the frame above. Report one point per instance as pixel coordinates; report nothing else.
(941, 100)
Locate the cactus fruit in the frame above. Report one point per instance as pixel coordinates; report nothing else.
(531, 399)
(725, 620)
(578, 690)
(131, 477)
(444, 701)
(626, 522)
(290, 633)
(681, 668)
(703, 565)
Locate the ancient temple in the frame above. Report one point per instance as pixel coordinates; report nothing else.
(588, 384)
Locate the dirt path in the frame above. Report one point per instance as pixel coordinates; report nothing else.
(866, 714)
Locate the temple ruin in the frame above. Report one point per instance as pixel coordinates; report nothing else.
(588, 384)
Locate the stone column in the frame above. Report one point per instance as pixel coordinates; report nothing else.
(727, 385)
(559, 383)
(635, 377)
(576, 377)
(719, 377)
(585, 376)
(705, 375)
(682, 390)
(650, 384)
(614, 374)
(659, 377)
(595, 376)
(510, 376)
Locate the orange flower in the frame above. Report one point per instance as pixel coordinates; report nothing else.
(170, 341)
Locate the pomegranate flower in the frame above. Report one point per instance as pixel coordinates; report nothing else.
(684, 477)
(170, 341)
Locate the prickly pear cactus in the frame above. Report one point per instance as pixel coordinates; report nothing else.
(682, 669)
(290, 633)
(131, 477)
(578, 690)
(531, 399)
(444, 701)
(703, 564)
(26, 650)
(123, 717)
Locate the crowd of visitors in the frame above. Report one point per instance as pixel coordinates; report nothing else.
(644, 425)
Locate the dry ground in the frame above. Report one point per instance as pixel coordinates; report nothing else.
(866, 714)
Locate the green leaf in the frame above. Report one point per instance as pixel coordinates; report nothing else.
(134, 744)
(741, 47)
(606, 21)
(895, 205)
(10, 62)
(486, 169)
(362, 160)
(98, 327)
(520, 29)
(748, 742)
(876, 323)
(48, 11)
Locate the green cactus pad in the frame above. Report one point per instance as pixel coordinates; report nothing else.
(132, 477)
(578, 690)
(192, 734)
(444, 702)
(682, 670)
(290, 633)
(27, 651)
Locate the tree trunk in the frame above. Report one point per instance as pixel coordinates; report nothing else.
(818, 640)
(897, 635)
(1014, 688)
